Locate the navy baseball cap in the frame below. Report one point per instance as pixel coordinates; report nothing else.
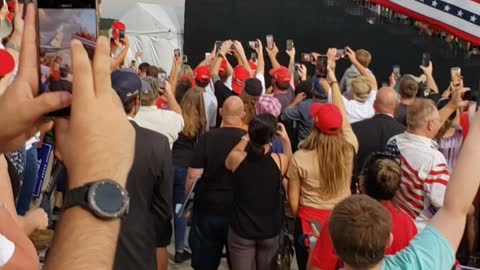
(127, 84)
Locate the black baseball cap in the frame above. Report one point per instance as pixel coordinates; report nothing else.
(253, 87)
(127, 84)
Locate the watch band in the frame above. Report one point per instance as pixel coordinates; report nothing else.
(11, 45)
(76, 197)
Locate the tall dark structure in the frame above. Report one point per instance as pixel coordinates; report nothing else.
(315, 25)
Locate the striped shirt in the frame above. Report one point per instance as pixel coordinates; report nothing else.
(425, 176)
(450, 147)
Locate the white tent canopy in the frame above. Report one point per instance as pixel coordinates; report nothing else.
(154, 27)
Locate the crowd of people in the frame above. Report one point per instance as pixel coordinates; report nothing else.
(336, 171)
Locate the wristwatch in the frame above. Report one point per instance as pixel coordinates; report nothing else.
(106, 199)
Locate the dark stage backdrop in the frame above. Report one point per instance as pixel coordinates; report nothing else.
(316, 25)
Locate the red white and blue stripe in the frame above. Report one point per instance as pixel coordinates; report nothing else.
(458, 17)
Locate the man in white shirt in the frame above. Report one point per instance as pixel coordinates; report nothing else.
(167, 122)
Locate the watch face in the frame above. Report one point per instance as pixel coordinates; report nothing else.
(108, 199)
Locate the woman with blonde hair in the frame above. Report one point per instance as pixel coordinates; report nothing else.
(320, 172)
(193, 110)
(250, 95)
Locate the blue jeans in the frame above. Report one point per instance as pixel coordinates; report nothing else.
(29, 180)
(180, 223)
(208, 236)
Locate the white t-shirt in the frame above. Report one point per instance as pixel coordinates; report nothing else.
(168, 123)
(7, 248)
(358, 111)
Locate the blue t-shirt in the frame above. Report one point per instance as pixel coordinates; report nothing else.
(428, 250)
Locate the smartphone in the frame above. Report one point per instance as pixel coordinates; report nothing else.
(307, 57)
(290, 44)
(176, 52)
(218, 45)
(426, 58)
(297, 66)
(185, 59)
(121, 34)
(232, 47)
(207, 55)
(456, 74)
(133, 64)
(316, 224)
(253, 44)
(162, 77)
(321, 68)
(58, 23)
(269, 41)
(396, 72)
(341, 53)
(253, 57)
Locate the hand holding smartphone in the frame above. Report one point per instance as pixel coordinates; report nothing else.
(396, 72)
(290, 45)
(426, 58)
(59, 22)
(321, 67)
(177, 53)
(218, 45)
(270, 42)
(307, 57)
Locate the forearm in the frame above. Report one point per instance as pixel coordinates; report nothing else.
(260, 63)
(462, 189)
(445, 113)
(291, 65)
(274, 61)
(338, 101)
(173, 104)
(217, 61)
(80, 235)
(431, 84)
(192, 176)
(364, 72)
(25, 255)
(287, 148)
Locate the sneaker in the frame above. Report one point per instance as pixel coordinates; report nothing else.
(181, 257)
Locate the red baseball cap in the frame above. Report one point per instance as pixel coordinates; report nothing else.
(116, 27)
(187, 78)
(240, 75)
(202, 74)
(281, 75)
(8, 63)
(223, 66)
(327, 118)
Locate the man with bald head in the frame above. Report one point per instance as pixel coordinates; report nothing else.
(213, 190)
(374, 133)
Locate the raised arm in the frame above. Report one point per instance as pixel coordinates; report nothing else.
(428, 71)
(455, 103)
(272, 54)
(291, 63)
(462, 188)
(117, 62)
(172, 101)
(363, 71)
(260, 58)
(337, 98)
(241, 57)
(176, 63)
(217, 60)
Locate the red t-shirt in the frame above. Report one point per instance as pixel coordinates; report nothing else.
(465, 123)
(403, 230)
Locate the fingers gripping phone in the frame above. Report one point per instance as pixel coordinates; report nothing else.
(426, 58)
(218, 45)
(59, 22)
(290, 45)
(177, 53)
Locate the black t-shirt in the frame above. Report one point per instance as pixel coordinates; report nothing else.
(213, 194)
(182, 151)
(401, 114)
(222, 92)
(258, 206)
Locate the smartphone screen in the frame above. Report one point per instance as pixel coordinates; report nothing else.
(162, 77)
(306, 57)
(290, 45)
(218, 45)
(316, 224)
(121, 34)
(340, 53)
(176, 52)
(270, 42)
(322, 63)
(60, 21)
(185, 59)
(253, 57)
(426, 59)
(396, 72)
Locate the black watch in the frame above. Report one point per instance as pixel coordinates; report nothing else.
(106, 199)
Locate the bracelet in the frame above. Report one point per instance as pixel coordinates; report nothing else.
(332, 83)
(13, 46)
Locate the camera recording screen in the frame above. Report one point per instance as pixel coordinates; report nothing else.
(57, 27)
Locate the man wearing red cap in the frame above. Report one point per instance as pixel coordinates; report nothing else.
(202, 79)
(281, 78)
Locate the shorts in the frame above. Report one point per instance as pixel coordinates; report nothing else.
(164, 234)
